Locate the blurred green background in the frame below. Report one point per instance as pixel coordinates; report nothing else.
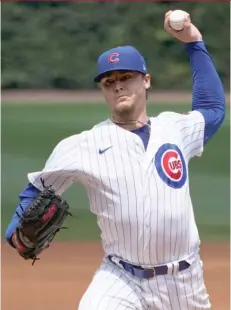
(49, 45)
(55, 45)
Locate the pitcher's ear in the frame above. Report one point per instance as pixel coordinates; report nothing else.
(147, 80)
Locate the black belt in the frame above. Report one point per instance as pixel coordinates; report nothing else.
(149, 273)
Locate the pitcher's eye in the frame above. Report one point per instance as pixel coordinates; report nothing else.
(125, 77)
(108, 82)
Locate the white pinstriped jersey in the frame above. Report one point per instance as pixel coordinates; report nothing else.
(141, 198)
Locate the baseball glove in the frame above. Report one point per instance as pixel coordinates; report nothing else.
(39, 223)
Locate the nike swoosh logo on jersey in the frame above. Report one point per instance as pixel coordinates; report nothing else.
(101, 151)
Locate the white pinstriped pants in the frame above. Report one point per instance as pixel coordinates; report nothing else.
(113, 288)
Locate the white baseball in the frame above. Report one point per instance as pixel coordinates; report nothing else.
(177, 19)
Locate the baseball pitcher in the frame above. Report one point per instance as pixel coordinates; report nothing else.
(134, 168)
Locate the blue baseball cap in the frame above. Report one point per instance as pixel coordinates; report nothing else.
(125, 58)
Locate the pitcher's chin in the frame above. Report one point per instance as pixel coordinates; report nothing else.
(124, 105)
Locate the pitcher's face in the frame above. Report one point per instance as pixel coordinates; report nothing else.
(125, 91)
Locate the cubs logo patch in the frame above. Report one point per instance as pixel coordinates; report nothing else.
(113, 57)
(170, 165)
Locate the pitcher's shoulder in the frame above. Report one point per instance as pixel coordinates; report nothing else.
(165, 119)
(70, 140)
(168, 116)
(172, 118)
(102, 125)
(82, 136)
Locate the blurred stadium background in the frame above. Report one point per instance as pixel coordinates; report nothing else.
(49, 53)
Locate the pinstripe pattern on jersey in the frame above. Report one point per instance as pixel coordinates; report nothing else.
(114, 288)
(138, 238)
(122, 231)
(124, 198)
(145, 225)
(61, 169)
(191, 129)
(141, 219)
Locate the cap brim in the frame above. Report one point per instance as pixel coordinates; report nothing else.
(98, 78)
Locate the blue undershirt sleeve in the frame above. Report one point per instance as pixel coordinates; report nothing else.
(208, 96)
(26, 196)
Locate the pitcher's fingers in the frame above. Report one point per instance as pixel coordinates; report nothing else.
(187, 21)
(166, 23)
(168, 28)
(168, 13)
